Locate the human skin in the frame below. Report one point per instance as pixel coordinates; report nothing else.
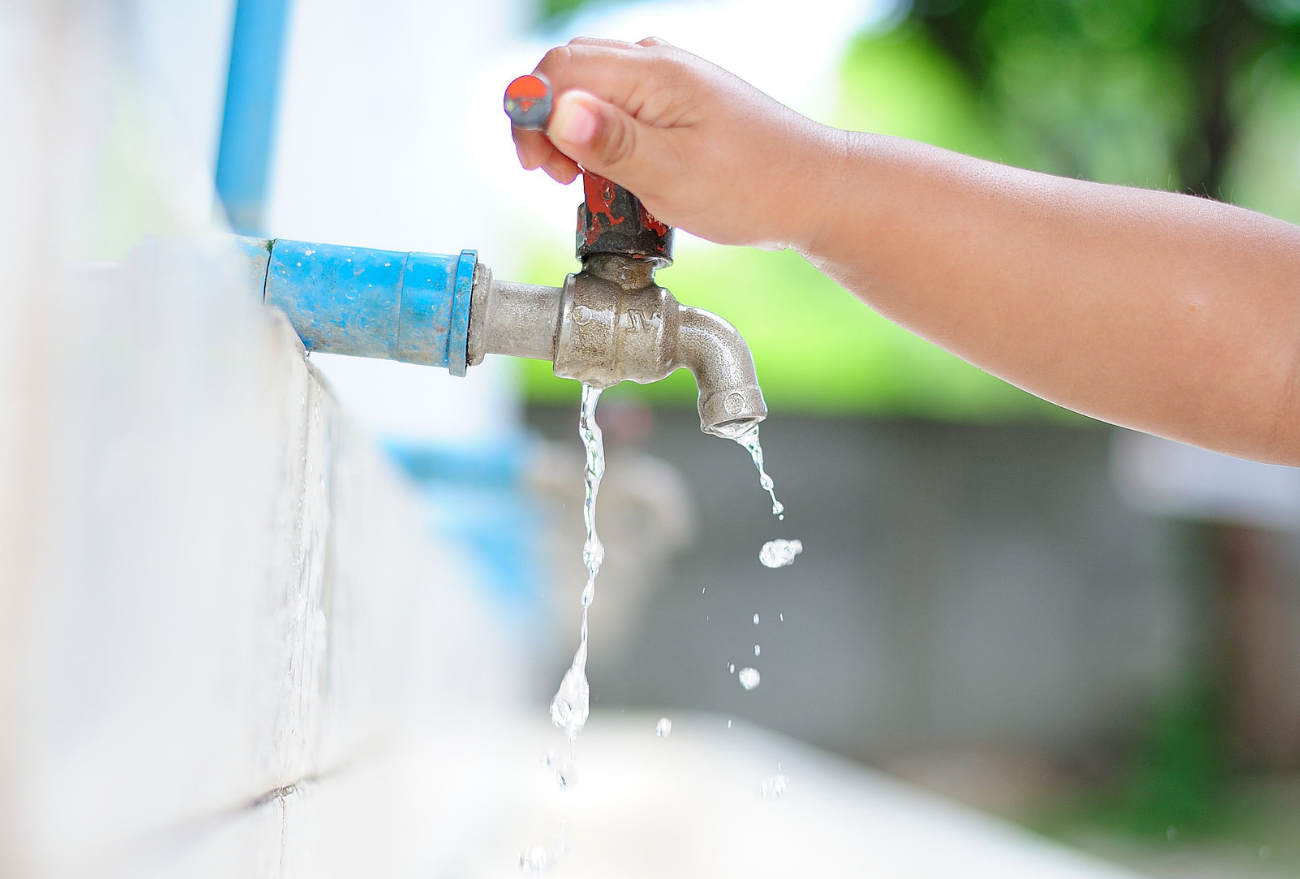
(1166, 313)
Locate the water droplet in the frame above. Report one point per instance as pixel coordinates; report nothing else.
(773, 787)
(702, 588)
(731, 668)
(782, 617)
(663, 728)
(779, 553)
(728, 724)
(749, 678)
(572, 703)
(758, 650)
(756, 619)
(746, 435)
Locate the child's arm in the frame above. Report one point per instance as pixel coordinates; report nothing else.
(1168, 313)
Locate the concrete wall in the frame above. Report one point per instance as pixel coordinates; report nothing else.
(219, 607)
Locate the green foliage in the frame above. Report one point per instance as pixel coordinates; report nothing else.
(1179, 774)
(899, 83)
(1123, 91)
(553, 11)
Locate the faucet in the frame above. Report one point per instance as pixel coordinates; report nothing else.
(609, 322)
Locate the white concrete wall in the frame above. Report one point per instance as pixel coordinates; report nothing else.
(214, 592)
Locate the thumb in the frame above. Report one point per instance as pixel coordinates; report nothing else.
(603, 138)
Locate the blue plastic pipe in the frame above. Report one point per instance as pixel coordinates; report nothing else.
(412, 307)
(252, 104)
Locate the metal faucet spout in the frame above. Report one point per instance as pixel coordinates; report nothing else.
(718, 357)
(611, 323)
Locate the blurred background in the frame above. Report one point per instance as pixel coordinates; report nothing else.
(1090, 632)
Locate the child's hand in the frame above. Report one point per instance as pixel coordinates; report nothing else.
(701, 148)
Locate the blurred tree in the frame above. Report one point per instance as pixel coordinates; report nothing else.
(551, 12)
(1145, 92)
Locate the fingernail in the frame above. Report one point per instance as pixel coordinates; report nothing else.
(572, 121)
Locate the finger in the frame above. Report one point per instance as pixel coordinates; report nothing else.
(615, 75)
(602, 138)
(541, 153)
(600, 41)
(561, 172)
(561, 167)
(532, 146)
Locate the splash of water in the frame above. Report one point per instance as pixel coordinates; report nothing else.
(572, 703)
(779, 553)
(663, 728)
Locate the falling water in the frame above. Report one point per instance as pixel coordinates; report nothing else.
(746, 434)
(779, 553)
(572, 702)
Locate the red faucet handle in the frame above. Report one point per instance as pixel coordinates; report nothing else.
(613, 220)
(528, 102)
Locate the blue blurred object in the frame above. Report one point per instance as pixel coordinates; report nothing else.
(475, 495)
(252, 103)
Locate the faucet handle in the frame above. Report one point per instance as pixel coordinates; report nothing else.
(528, 102)
(613, 220)
(610, 219)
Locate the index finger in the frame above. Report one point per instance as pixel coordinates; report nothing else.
(614, 72)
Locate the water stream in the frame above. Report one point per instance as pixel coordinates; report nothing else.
(571, 705)
(745, 433)
(572, 702)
